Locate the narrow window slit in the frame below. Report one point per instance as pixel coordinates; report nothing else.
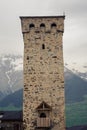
(43, 46)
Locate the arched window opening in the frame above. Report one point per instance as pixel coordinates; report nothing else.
(43, 46)
(42, 25)
(53, 25)
(31, 25)
(42, 115)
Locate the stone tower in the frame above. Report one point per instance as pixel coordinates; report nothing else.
(43, 94)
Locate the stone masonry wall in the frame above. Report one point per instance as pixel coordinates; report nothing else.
(43, 69)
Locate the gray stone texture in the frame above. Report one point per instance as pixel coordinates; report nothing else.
(43, 70)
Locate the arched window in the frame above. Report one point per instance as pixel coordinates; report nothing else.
(31, 25)
(42, 25)
(42, 115)
(53, 25)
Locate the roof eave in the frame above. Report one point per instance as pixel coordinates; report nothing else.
(59, 16)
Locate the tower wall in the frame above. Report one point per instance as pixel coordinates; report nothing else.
(43, 70)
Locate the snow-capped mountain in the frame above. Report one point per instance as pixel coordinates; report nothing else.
(75, 91)
(80, 69)
(75, 87)
(11, 73)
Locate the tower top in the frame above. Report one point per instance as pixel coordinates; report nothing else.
(59, 16)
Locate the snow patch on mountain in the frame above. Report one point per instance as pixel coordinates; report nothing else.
(79, 69)
(11, 73)
(18, 64)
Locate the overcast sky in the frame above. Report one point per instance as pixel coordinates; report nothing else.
(75, 34)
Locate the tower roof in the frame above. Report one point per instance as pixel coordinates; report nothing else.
(59, 16)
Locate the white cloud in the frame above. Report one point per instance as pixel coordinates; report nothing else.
(11, 39)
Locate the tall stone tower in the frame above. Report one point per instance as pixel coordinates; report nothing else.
(43, 94)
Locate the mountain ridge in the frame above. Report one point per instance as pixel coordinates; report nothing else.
(11, 79)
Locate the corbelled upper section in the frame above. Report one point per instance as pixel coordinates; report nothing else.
(42, 23)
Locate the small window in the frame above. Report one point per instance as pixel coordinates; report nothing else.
(42, 25)
(43, 46)
(53, 25)
(31, 25)
(42, 115)
(27, 57)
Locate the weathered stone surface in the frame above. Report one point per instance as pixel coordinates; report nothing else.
(43, 69)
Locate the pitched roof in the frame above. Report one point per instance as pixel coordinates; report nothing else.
(43, 106)
(11, 115)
